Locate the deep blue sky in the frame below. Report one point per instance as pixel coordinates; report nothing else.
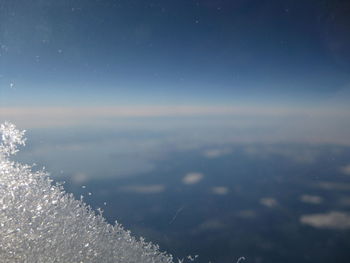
(166, 51)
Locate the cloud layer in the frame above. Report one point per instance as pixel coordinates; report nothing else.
(245, 123)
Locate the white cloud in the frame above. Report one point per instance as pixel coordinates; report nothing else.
(247, 214)
(143, 189)
(216, 153)
(268, 202)
(332, 186)
(220, 190)
(67, 116)
(80, 178)
(344, 201)
(210, 224)
(245, 123)
(345, 169)
(311, 199)
(331, 220)
(192, 178)
(296, 154)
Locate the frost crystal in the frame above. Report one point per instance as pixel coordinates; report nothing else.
(39, 222)
(10, 137)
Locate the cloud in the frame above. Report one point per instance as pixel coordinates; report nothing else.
(345, 169)
(296, 154)
(210, 224)
(268, 202)
(79, 178)
(311, 199)
(67, 116)
(247, 214)
(143, 189)
(81, 154)
(252, 123)
(332, 186)
(192, 178)
(220, 190)
(331, 220)
(216, 153)
(344, 201)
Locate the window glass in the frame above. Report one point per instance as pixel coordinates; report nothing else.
(215, 128)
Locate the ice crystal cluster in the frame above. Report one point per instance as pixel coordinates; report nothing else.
(39, 222)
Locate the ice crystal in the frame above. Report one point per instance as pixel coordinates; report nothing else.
(11, 137)
(39, 222)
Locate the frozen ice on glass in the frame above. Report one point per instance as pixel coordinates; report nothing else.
(39, 222)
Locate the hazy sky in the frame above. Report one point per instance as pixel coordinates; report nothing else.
(209, 52)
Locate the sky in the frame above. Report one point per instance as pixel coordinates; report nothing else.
(254, 70)
(208, 52)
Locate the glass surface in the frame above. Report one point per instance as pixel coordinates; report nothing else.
(213, 128)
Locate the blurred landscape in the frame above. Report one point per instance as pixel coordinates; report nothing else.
(201, 191)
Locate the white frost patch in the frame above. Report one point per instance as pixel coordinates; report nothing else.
(41, 223)
(192, 178)
(10, 137)
(311, 199)
(331, 220)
